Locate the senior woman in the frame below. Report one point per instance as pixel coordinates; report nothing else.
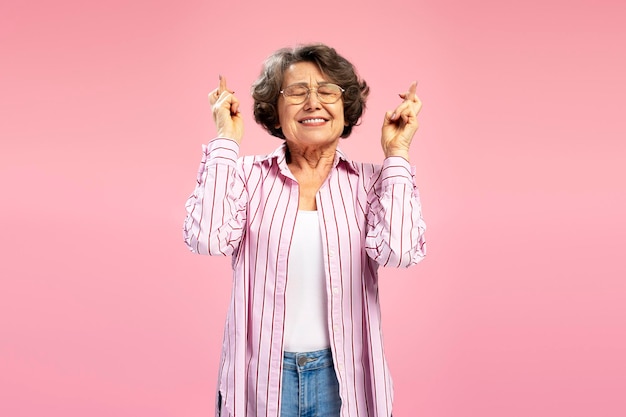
(307, 229)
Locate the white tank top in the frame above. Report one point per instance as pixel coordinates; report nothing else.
(306, 311)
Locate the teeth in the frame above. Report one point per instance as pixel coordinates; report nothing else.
(313, 121)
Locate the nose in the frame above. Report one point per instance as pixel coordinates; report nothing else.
(312, 101)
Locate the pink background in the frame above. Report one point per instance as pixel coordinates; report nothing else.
(519, 308)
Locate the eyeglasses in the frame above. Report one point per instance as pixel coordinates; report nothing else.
(299, 93)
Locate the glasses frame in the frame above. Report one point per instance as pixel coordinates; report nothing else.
(291, 99)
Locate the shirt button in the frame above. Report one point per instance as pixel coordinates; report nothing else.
(335, 290)
(331, 253)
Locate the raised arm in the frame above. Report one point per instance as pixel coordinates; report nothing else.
(216, 210)
(396, 227)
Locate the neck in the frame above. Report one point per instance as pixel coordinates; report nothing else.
(306, 158)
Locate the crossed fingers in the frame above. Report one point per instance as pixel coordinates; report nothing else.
(221, 93)
(409, 107)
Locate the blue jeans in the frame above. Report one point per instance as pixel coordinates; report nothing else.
(310, 386)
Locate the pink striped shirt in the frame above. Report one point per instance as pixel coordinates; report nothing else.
(246, 207)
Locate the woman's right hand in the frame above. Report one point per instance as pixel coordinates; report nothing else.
(225, 108)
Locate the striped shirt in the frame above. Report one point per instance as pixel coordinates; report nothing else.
(246, 208)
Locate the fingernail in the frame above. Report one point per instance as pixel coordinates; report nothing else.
(393, 116)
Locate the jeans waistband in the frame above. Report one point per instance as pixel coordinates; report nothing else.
(306, 361)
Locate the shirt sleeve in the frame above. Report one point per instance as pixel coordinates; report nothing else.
(396, 229)
(216, 211)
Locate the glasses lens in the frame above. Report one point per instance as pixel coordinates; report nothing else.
(328, 93)
(296, 93)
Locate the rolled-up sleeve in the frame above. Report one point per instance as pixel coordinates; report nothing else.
(396, 228)
(216, 210)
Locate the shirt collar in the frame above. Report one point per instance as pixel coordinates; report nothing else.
(280, 157)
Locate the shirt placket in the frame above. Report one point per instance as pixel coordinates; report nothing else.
(334, 284)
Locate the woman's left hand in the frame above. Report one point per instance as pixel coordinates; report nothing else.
(401, 124)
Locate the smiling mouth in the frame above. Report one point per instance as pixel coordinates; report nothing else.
(312, 121)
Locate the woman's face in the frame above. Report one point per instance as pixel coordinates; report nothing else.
(311, 123)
